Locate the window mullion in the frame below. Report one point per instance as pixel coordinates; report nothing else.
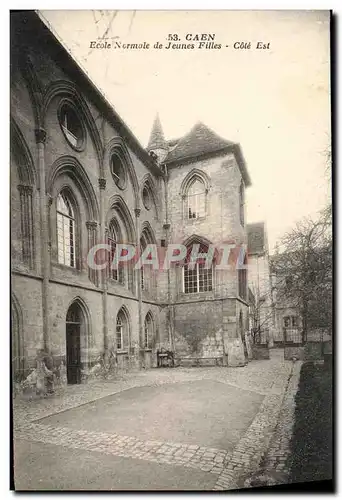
(64, 259)
(197, 273)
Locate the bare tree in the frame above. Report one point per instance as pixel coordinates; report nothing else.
(304, 269)
(261, 312)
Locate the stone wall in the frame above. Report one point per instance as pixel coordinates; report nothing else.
(54, 80)
(42, 75)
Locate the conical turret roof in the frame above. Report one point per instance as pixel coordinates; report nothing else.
(157, 140)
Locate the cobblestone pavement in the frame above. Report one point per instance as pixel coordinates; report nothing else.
(275, 463)
(268, 378)
(277, 460)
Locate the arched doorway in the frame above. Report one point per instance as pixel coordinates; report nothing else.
(74, 324)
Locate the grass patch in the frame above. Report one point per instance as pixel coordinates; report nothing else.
(311, 444)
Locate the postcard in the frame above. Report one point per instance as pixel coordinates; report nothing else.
(171, 250)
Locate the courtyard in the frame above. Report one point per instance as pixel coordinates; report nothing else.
(162, 429)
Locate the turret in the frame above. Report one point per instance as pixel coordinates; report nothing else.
(157, 146)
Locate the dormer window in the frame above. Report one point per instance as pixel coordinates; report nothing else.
(71, 126)
(153, 155)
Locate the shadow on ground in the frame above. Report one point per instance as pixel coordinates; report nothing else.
(311, 444)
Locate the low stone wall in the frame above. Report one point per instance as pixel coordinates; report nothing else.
(313, 351)
(293, 351)
(260, 352)
(193, 361)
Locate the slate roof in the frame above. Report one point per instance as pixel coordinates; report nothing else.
(202, 141)
(256, 238)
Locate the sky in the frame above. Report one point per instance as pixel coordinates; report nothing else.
(274, 102)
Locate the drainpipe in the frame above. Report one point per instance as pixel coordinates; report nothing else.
(103, 273)
(44, 227)
(166, 227)
(137, 212)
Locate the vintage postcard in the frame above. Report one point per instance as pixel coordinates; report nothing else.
(171, 250)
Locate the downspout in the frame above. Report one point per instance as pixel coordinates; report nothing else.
(168, 234)
(45, 240)
(137, 212)
(104, 273)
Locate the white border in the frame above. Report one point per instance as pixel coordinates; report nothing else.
(4, 170)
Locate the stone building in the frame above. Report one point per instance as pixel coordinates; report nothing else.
(288, 324)
(79, 177)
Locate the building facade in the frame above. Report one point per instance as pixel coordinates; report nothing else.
(79, 177)
(262, 312)
(288, 323)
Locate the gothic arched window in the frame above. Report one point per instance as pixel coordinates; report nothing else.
(66, 228)
(147, 280)
(71, 125)
(198, 278)
(122, 330)
(196, 200)
(148, 331)
(114, 237)
(118, 171)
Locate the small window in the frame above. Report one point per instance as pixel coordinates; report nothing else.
(295, 322)
(291, 322)
(287, 322)
(72, 126)
(118, 171)
(146, 195)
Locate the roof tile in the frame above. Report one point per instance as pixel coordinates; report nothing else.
(200, 140)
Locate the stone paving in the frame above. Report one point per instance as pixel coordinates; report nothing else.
(198, 457)
(277, 460)
(269, 378)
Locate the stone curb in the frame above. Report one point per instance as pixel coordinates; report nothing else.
(250, 450)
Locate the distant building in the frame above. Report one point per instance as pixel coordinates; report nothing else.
(259, 281)
(287, 319)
